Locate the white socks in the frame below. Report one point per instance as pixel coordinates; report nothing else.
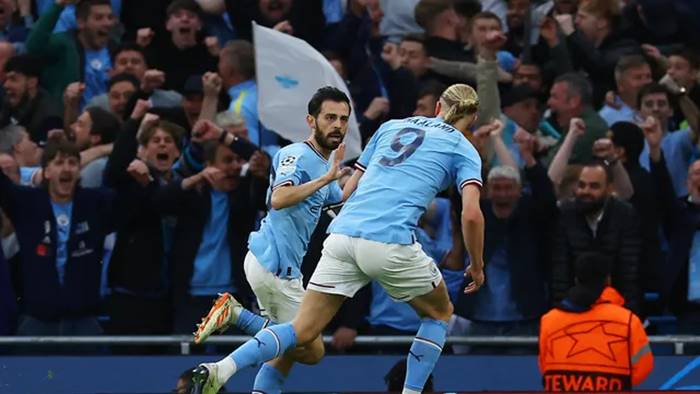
(225, 368)
(409, 391)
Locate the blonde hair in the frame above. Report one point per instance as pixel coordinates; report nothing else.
(460, 100)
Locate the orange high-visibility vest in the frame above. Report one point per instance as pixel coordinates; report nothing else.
(604, 348)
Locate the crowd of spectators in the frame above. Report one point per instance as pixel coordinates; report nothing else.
(134, 165)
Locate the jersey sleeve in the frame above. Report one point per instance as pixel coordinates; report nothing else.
(288, 168)
(466, 165)
(364, 159)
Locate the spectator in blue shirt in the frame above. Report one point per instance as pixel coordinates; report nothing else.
(677, 146)
(632, 72)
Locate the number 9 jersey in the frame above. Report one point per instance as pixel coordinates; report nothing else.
(405, 164)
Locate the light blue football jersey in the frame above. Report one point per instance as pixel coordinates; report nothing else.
(281, 242)
(406, 163)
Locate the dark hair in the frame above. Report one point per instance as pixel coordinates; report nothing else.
(128, 47)
(414, 37)
(241, 55)
(597, 162)
(432, 88)
(104, 124)
(592, 271)
(82, 9)
(174, 130)
(426, 10)
(488, 15)
(27, 65)
(467, 8)
(577, 85)
(629, 136)
(186, 375)
(123, 77)
(651, 88)
(187, 5)
(58, 146)
(689, 54)
(397, 376)
(327, 93)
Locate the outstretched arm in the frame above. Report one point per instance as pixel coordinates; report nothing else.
(473, 235)
(285, 195)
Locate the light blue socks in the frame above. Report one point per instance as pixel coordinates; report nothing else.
(424, 353)
(268, 380)
(250, 323)
(266, 345)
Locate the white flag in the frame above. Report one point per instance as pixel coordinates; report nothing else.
(289, 71)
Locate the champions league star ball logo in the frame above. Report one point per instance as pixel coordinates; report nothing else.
(288, 165)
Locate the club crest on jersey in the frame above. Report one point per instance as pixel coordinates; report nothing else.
(288, 165)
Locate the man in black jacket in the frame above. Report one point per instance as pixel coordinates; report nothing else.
(518, 227)
(139, 303)
(597, 221)
(216, 210)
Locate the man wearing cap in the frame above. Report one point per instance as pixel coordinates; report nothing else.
(589, 342)
(25, 103)
(522, 109)
(187, 114)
